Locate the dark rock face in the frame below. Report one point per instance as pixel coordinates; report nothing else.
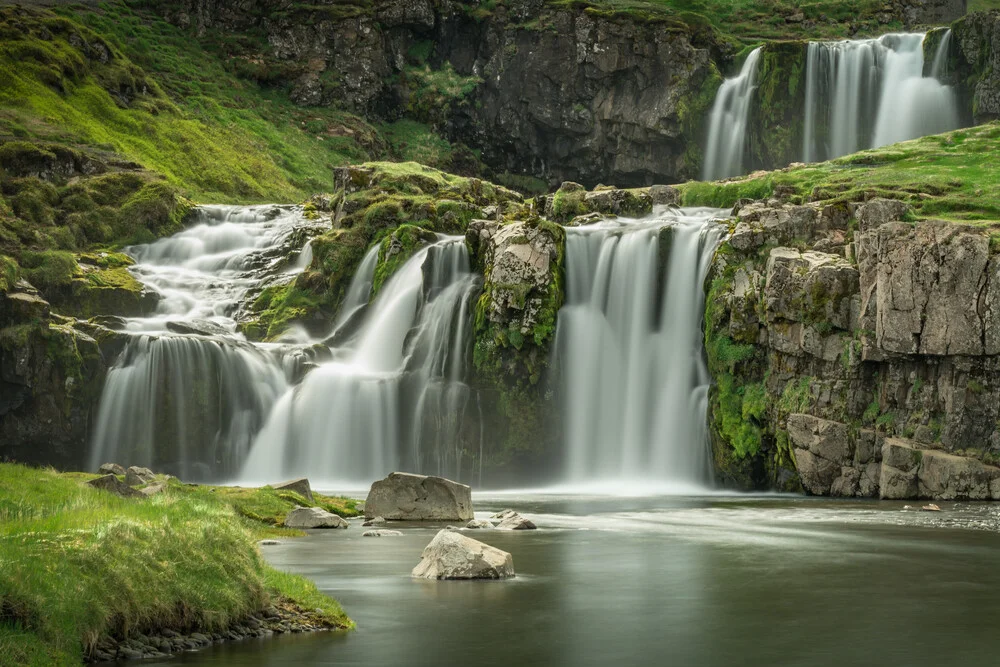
(977, 37)
(557, 94)
(925, 12)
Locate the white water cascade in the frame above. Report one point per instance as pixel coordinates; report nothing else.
(727, 126)
(872, 92)
(188, 393)
(394, 397)
(633, 381)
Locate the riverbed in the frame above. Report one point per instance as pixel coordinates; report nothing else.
(723, 580)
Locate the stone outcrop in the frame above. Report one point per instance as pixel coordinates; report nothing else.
(871, 349)
(451, 555)
(977, 69)
(313, 517)
(405, 497)
(299, 486)
(137, 476)
(114, 485)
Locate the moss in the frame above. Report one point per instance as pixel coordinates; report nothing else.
(49, 268)
(567, 204)
(776, 123)
(9, 273)
(396, 249)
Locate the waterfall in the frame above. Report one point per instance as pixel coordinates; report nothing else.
(188, 393)
(394, 397)
(869, 93)
(633, 381)
(727, 125)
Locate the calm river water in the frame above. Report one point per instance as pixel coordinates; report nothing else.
(663, 581)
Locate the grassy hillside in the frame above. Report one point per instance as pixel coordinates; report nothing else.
(952, 176)
(77, 563)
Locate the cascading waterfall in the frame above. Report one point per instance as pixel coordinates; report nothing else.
(394, 398)
(873, 92)
(727, 129)
(188, 393)
(633, 380)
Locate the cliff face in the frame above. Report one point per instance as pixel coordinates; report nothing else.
(558, 94)
(977, 62)
(866, 352)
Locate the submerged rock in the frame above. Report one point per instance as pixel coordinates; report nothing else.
(197, 327)
(313, 517)
(406, 497)
(479, 524)
(299, 486)
(376, 521)
(114, 485)
(381, 533)
(451, 555)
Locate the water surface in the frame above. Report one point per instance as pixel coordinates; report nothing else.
(664, 581)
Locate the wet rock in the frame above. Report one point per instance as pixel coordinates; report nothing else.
(114, 485)
(407, 497)
(931, 508)
(374, 521)
(664, 195)
(516, 522)
(111, 469)
(313, 517)
(197, 327)
(480, 524)
(137, 476)
(381, 533)
(452, 555)
(299, 486)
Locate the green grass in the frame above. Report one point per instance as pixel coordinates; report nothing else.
(77, 563)
(953, 176)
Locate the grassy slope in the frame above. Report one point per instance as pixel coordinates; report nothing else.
(77, 563)
(952, 176)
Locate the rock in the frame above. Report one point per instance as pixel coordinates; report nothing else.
(111, 469)
(480, 524)
(503, 514)
(153, 489)
(136, 476)
(878, 212)
(664, 195)
(381, 533)
(114, 485)
(268, 543)
(406, 497)
(931, 508)
(945, 476)
(197, 327)
(313, 517)
(376, 521)
(452, 555)
(516, 522)
(299, 486)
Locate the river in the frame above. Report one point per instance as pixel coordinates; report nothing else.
(717, 580)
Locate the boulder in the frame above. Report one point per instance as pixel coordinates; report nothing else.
(136, 476)
(516, 522)
(480, 524)
(503, 514)
(945, 476)
(406, 497)
(376, 521)
(153, 489)
(313, 517)
(299, 486)
(111, 469)
(381, 533)
(452, 555)
(114, 485)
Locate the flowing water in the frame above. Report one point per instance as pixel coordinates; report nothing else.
(394, 396)
(188, 393)
(699, 582)
(727, 124)
(629, 346)
(873, 92)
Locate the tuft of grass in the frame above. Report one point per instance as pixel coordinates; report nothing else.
(77, 564)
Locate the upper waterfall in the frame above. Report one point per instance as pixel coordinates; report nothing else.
(870, 93)
(633, 378)
(727, 125)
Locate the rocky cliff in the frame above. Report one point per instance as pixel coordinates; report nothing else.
(856, 352)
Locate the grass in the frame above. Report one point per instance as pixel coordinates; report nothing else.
(77, 563)
(952, 176)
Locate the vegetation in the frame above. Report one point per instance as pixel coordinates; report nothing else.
(949, 176)
(77, 563)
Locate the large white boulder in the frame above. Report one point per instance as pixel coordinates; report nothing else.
(452, 555)
(313, 517)
(405, 497)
